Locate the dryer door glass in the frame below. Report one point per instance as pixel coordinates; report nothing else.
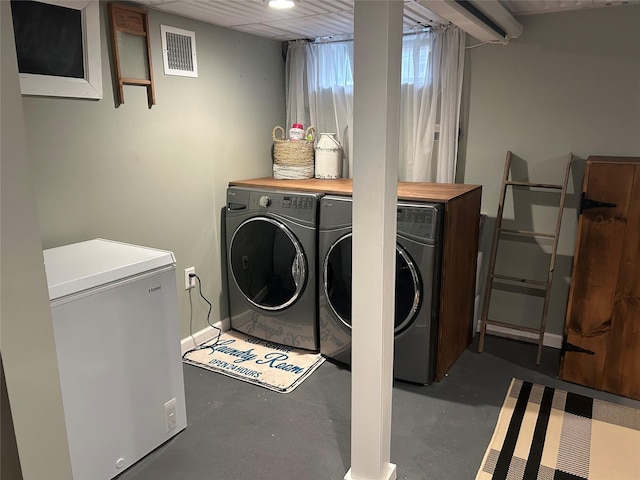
(337, 284)
(267, 263)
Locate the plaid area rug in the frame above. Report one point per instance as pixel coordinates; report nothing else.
(545, 434)
(280, 368)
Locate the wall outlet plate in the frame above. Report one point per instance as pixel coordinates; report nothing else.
(189, 282)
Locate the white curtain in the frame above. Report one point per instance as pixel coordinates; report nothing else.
(327, 99)
(297, 105)
(432, 70)
(451, 52)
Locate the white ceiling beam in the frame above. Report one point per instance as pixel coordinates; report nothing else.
(458, 15)
(501, 16)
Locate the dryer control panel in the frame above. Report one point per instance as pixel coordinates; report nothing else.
(298, 203)
(419, 221)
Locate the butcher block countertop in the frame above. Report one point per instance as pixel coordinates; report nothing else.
(416, 191)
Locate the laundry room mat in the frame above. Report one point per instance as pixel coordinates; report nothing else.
(545, 433)
(280, 368)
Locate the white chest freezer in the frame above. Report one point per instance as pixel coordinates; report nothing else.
(115, 322)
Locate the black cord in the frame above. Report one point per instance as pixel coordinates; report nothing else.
(206, 344)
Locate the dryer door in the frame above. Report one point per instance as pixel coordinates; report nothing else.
(267, 263)
(337, 284)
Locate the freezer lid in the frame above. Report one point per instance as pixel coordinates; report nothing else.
(84, 265)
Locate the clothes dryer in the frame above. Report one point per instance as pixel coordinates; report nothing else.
(416, 295)
(271, 240)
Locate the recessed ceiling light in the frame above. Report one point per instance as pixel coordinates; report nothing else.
(281, 4)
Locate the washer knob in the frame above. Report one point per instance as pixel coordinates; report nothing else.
(265, 201)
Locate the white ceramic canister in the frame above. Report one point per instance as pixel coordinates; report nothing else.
(328, 157)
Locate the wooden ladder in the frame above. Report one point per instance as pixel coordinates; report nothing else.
(484, 321)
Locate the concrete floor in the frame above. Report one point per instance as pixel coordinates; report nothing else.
(243, 432)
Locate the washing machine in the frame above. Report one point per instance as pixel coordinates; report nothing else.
(418, 260)
(271, 241)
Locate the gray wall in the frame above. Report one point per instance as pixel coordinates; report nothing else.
(28, 352)
(570, 83)
(157, 177)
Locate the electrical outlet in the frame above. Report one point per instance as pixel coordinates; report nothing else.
(170, 415)
(189, 282)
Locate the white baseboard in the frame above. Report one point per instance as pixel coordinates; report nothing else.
(552, 340)
(207, 333)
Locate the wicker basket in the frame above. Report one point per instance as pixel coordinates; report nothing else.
(293, 160)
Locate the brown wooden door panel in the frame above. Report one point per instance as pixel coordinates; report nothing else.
(600, 239)
(596, 267)
(622, 366)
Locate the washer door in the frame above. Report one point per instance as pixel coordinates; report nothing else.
(337, 284)
(267, 263)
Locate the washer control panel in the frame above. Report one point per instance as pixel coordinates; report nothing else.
(298, 206)
(278, 201)
(242, 199)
